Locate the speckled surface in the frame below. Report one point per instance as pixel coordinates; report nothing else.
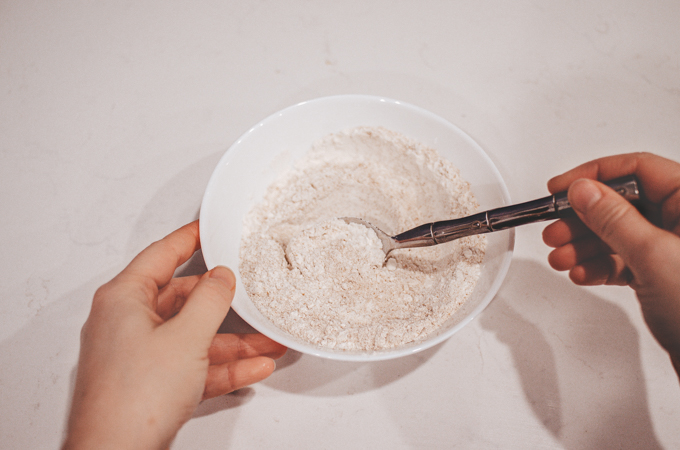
(112, 117)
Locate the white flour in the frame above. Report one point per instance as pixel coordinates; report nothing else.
(323, 280)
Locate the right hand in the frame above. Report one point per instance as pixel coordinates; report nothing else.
(614, 244)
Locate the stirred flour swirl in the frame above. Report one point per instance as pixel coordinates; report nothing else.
(323, 280)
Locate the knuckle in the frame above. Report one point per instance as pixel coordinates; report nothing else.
(85, 332)
(613, 215)
(242, 349)
(644, 155)
(214, 288)
(102, 295)
(214, 292)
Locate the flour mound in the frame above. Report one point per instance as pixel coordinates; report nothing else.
(337, 248)
(323, 280)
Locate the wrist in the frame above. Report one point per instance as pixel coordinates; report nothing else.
(113, 425)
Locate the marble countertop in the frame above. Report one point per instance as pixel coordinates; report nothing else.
(114, 114)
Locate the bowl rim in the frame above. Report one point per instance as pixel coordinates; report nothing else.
(366, 356)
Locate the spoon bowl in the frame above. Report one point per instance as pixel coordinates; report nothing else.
(388, 242)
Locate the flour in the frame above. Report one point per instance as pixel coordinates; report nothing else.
(323, 280)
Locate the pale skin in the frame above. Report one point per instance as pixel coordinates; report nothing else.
(614, 244)
(150, 351)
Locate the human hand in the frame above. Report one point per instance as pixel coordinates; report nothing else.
(150, 353)
(614, 244)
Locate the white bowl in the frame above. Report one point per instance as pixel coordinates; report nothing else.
(272, 146)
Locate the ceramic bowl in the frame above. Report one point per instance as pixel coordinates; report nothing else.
(272, 146)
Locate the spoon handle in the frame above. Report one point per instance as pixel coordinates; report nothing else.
(547, 208)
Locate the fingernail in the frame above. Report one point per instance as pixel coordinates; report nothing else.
(225, 274)
(583, 193)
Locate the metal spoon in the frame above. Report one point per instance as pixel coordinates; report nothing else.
(547, 208)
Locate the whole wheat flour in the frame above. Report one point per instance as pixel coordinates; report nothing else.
(323, 280)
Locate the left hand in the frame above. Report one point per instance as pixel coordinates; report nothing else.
(150, 352)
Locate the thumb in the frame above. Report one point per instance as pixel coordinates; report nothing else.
(612, 219)
(206, 307)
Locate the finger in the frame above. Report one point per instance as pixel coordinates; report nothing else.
(205, 308)
(660, 177)
(159, 260)
(231, 347)
(676, 363)
(174, 294)
(613, 219)
(563, 231)
(574, 253)
(608, 269)
(228, 377)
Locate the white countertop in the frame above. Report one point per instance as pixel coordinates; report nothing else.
(113, 117)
